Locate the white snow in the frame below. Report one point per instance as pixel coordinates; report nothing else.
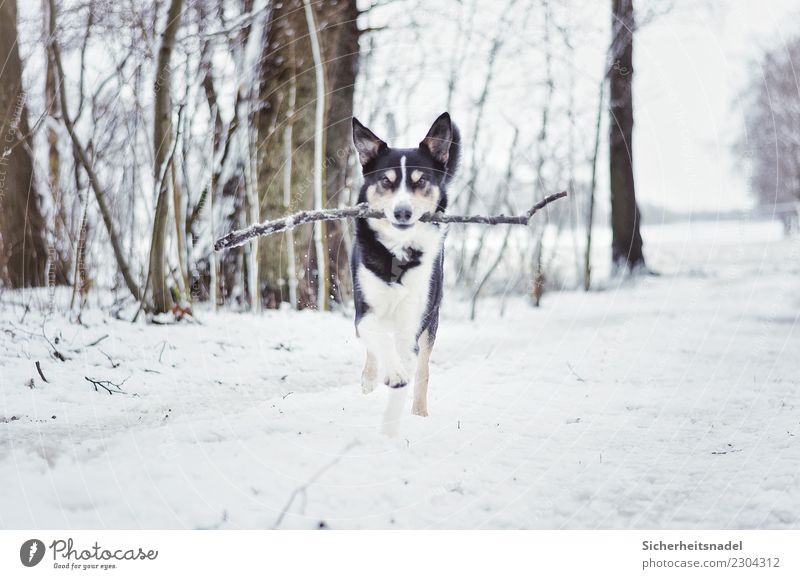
(670, 402)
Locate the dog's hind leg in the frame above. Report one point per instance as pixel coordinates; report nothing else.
(369, 377)
(420, 406)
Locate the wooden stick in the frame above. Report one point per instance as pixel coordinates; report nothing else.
(362, 211)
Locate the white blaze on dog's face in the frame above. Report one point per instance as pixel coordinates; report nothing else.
(404, 194)
(404, 184)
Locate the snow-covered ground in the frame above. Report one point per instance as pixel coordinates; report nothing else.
(671, 402)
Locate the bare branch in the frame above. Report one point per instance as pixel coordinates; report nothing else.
(301, 490)
(83, 158)
(362, 211)
(39, 370)
(106, 385)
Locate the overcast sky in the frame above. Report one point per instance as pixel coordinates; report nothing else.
(690, 66)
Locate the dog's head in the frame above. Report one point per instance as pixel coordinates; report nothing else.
(407, 183)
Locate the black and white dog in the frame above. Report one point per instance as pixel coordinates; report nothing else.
(397, 262)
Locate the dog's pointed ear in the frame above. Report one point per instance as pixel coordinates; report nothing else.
(367, 144)
(439, 138)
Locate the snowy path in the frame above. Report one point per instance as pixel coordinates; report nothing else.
(673, 403)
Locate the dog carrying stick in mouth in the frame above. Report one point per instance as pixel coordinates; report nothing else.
(397, 262)
(398, 252)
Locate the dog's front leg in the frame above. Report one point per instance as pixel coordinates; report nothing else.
(379, 337)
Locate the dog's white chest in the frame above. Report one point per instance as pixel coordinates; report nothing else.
(405, 299)
(408, 298)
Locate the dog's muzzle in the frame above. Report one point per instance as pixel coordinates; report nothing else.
(402, 217)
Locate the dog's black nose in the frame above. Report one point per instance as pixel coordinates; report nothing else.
(402, 214)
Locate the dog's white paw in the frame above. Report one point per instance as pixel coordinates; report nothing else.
(395, 378)
(419, 409)
(369, 377)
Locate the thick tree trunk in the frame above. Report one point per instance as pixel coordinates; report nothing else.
(162, 143)
(23, 249)
(61, 264)
(287, 65)
(626, 244)
(340, 53)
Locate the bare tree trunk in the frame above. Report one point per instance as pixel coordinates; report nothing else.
(340, 52)
(183, 275)
(319, 168)
(291, 272)
(286, 62)
(252, 214)
(213, 262)
(162, 142)
(288, 67)
(60, 265)
(626, 244)
(79, 277)
(539, 274)
(273, 114)
(248, 160)
(587, 258)
(23, 249)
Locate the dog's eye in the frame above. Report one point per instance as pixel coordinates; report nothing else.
(386, 182)
(421, 182)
